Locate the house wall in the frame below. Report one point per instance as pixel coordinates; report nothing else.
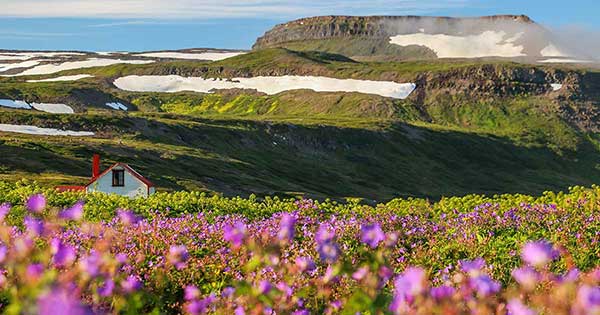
(133, 187)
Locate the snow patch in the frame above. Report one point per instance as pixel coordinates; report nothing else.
(30, 55)
(556, 86)
(486, 44)
(559, 60)
(33, 130)
(268, 85)
(64, 78)
(212, 56)
(25, 64)
(552, 51)
(117, 106)
(53, 108)
(70, 65)
(14, 104)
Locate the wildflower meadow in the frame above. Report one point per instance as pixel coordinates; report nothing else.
(70, 253)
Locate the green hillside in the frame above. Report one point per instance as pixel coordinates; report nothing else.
(470, 127)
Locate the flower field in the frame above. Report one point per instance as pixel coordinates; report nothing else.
(68, 253)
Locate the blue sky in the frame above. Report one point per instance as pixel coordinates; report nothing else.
(140, 25)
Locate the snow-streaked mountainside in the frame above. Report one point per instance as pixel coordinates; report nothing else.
(413, 37)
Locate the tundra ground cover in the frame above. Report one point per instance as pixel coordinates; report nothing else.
(510, 254)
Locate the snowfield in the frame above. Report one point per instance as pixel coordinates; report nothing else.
(559, 60)
(44, 107)
(53, 108)
(556, 86)
(24, 64)
(14, 104)
(64, 78)
(70, 65)
(212, 56)
(30, 55)
(486, 44)
(117, 106)
(268, 85)
(33, 130)
(552, 51)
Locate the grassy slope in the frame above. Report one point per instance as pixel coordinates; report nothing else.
(241, 157)
(341, 144)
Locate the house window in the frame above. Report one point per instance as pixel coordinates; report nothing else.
(118, 177)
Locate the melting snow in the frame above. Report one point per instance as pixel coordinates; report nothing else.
(14, 104)
(30, 55)
(24, 64)
(117, 106)
(558, 60)
(44, 107)
(552, 51)
(53, 108)
(213, 56)
(556, 86)
(64, 78)
(268, 85)
(70, 65)
(486, 44)
(33, 130)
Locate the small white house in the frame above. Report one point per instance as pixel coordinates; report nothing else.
(118, 179)
(122, 180)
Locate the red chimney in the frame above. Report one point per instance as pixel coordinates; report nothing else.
(96, 166)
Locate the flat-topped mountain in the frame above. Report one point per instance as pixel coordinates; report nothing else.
(417, 37)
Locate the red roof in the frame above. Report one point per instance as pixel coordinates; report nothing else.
(70, 188)
(126, 167)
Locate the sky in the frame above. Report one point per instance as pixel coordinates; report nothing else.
(144, 25)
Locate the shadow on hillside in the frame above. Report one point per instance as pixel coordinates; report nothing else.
(243, 157)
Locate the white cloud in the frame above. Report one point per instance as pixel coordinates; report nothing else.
(170, 9)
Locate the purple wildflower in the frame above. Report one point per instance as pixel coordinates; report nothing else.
(191, 292)
(59, 301)
(235, 233)
(472, 267)
(131, 284)
(91, 264)
(287, 226)
(264, 287)
(327, 248)
(107, 288)
(239, 311)
(178, 255)
(4, 210)
(34, 226)
(328, 251)
(64, 255)
(36, 203)
(74, 212)
(484, 285)
(228, 292)
(516, 307)
(527, 277)
(538, 254)
(360, 274)
(305, 264)
(372, 235)
(442, 292)
(128, 217)
(409, 284)
(3, 252)
(34, 271)
(588, 298)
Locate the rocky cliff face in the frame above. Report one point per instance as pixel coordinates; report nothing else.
(416, 37)
(324, 27)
